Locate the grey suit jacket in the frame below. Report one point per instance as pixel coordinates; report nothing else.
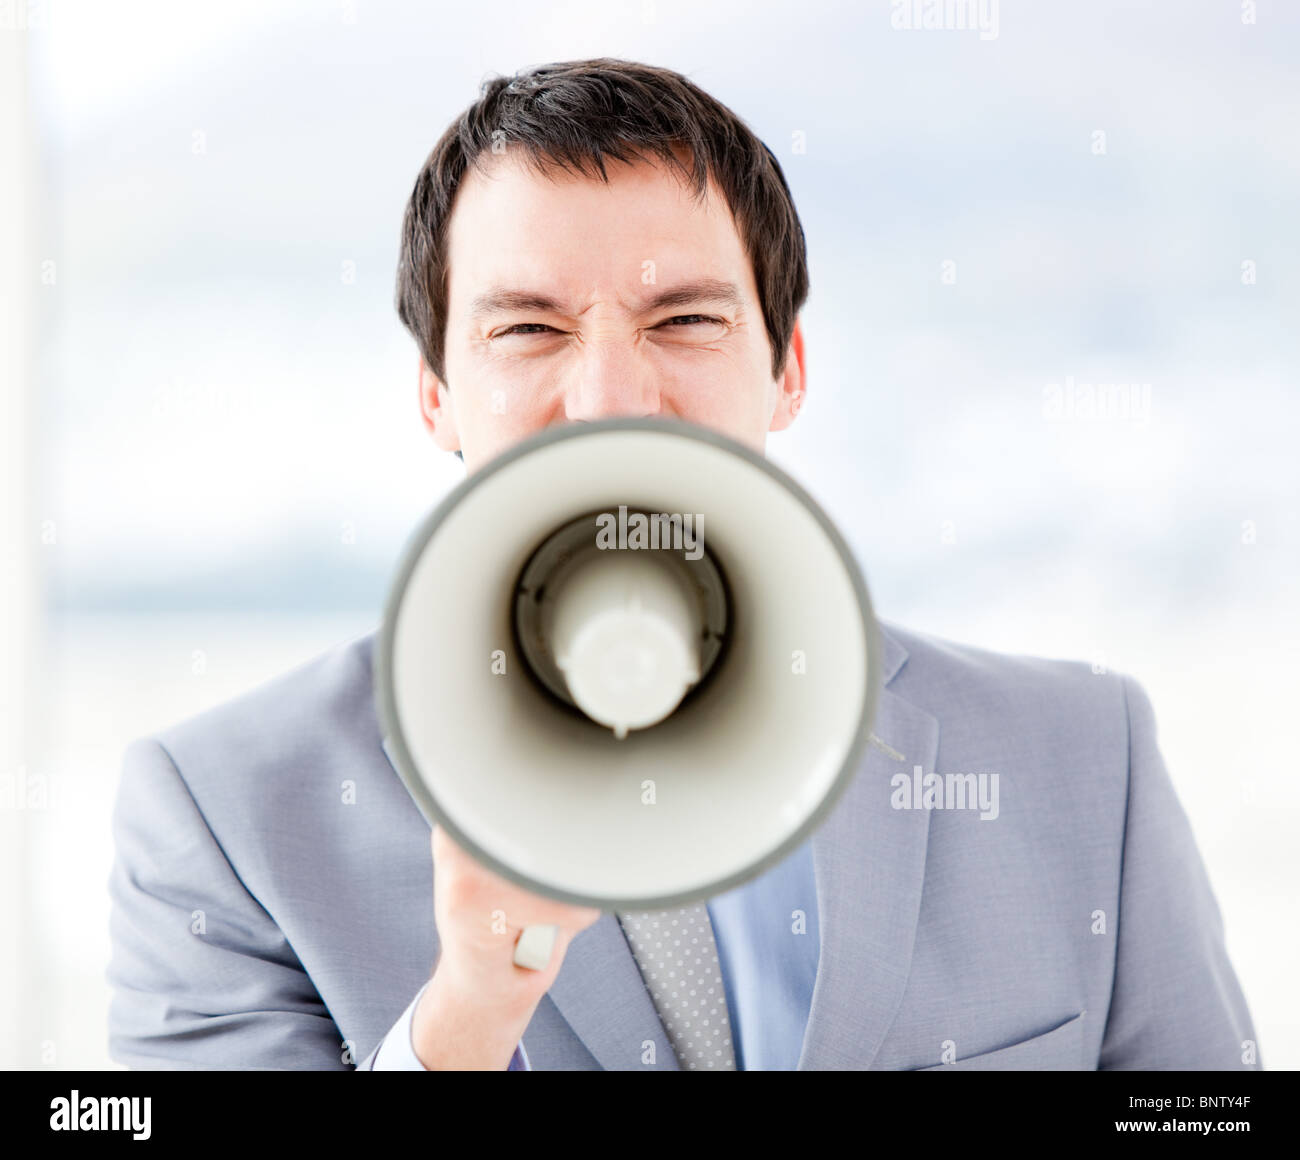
(272, 894)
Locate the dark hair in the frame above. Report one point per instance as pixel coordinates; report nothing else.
(575, 115)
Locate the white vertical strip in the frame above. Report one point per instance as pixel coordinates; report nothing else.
(18, 604)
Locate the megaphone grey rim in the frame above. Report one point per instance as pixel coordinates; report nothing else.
(404, 763)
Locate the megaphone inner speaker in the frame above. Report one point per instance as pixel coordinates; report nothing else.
(587, 549)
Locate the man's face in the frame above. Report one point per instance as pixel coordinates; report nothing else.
(552, 312)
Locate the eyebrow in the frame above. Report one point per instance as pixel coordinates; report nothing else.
(502, 300)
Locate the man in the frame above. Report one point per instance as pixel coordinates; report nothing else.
(598, 239)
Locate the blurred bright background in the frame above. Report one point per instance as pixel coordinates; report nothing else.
(213, 452)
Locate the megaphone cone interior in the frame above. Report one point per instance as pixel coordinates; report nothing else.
(681, 768)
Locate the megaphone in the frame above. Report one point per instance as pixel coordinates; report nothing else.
(627, 664)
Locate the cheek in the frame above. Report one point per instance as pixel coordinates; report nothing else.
(510, 400)
(715, 388)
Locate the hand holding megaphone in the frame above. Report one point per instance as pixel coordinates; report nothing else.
(478, 1003)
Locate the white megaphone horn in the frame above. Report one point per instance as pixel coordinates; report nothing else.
(627, 664)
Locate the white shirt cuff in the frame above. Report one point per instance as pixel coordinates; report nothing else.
(397, 1052)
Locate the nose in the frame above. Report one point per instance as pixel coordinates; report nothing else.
(613, 379)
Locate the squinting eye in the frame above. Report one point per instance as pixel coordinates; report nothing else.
(694, 319)
(518, 327)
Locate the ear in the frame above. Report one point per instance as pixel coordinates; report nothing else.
(792, 386)
(437, 409)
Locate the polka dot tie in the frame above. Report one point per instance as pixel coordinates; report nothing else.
(679, 963)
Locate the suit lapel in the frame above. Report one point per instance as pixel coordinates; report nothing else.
(869, 862)
(602, 996)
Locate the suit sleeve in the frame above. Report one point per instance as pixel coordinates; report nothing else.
(201, 975)
(396, 1051)
(1175, 1001)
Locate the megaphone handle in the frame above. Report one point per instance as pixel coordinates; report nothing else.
(533, 950)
